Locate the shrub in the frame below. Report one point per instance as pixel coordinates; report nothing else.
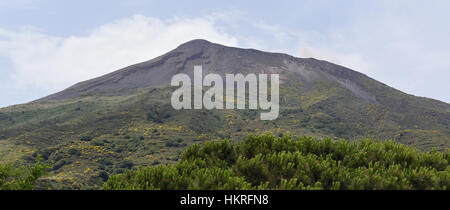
(73, 151)
(86, 138)
(172, 144)
(126, 164)
(21, 178)
(103, 175)
(266, 162)
(59, 164)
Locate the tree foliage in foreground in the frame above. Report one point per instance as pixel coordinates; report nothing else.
(266, 162)
(21, 178)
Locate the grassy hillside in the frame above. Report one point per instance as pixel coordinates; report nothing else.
(266, 162)
(21, 177)
(95, 136)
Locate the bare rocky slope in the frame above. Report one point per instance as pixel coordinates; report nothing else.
(219, 59)
(124, 119)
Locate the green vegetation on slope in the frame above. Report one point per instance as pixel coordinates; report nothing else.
(266, 162)
(21, 178)
(95, 136)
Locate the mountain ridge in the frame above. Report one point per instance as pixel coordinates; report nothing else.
(201, 49)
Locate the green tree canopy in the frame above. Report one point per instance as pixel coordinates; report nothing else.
(285, 163)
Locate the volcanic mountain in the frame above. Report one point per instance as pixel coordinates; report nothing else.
(221, 60)
(124, 118)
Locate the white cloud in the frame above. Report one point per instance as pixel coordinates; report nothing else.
(387, 49)
(350, 60)
(53, 63)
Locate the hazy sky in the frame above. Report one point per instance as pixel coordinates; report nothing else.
(48, 45)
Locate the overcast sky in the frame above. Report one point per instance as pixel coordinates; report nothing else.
(48, 45)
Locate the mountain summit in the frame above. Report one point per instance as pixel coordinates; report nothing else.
(220, 59)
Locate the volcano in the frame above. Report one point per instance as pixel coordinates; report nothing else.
(124, 119)
(221, 60)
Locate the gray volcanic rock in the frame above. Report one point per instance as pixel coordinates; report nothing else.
(218, 59)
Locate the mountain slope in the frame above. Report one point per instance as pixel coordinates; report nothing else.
(216, 59)
(318, 82)
(124, 119)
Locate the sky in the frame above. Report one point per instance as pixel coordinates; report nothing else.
(49, 45)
